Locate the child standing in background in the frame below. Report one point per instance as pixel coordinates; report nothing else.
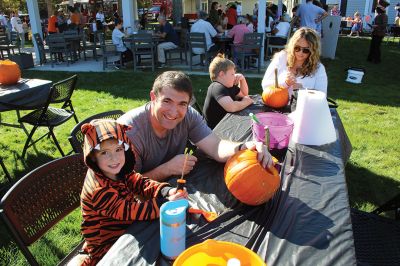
(113, 194)
(357, 24)
(228, 91)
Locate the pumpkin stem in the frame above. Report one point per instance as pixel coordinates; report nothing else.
(276, 78)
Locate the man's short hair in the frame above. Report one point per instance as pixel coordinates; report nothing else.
(202, 14)
(177, 80)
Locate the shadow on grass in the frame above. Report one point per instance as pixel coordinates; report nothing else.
(367, 188)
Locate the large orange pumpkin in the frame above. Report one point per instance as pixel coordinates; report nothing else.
(275, 97)
(9, 72)
(248, 181)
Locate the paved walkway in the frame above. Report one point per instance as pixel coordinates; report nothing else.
(91, 65)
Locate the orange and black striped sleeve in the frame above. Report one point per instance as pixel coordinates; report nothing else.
(109, 203)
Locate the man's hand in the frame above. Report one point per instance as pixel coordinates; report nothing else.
(263, 155)
(175, 165)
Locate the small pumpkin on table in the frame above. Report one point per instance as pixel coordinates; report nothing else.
(10, 72)
(275, 96)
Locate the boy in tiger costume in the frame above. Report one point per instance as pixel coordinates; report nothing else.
(111, 191)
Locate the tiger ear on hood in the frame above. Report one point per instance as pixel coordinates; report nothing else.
(86, 127)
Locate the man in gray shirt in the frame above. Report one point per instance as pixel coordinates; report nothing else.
(162, 127)
(310, 15)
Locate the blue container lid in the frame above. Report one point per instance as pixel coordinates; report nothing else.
(172, 211)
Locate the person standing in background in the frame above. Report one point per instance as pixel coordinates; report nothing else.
(238, 8)
(100, 19)
(52, 23)
(335, 11)
(310, 15)
(232, 16)
(255, 10)
(213, 16)
(397, 19)
(16, 25)
(378, 32)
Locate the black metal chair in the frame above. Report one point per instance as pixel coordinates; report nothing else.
(109, 52)
(88, 45)
(7, 45)
(272, 43)
(391, 205)
(250, 48)
(3, 166)
(58, 47)
(198, 40)
(41, 199)
(41, 47)
(51, 117)
(181, 49)
(376, 239)
(76, 136)
(143, 48)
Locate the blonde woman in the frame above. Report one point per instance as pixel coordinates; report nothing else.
(299, 63)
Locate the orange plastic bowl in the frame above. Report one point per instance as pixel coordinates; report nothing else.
(213, 252)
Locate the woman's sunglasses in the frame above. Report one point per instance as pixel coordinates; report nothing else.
(305, 50)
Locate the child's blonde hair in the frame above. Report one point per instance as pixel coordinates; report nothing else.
(218, 64)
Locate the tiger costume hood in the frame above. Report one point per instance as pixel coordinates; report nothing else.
(99, 130)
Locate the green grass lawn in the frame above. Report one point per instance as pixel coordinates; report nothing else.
(369, 111)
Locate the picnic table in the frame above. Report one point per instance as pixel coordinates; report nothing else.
(307, 222)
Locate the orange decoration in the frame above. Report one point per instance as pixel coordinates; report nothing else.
(248, 181)
(275, 97)
(9, 72)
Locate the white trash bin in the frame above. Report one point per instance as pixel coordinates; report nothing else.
(355, 75)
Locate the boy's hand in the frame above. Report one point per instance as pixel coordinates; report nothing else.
(247, 100)
(173, 194)
(238, 78)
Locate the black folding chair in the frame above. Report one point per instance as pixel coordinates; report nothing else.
(376, 239)
(181, 49)
(109, 52)
(143, 47)
(51, 117)
(3, 166)
(41, 47)
(250, 48)
(58, 47)
(198, 40)
(76, 136)
(41, 199)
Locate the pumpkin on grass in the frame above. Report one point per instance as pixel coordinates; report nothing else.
(275, 96)
(9, 72)
(248, 181)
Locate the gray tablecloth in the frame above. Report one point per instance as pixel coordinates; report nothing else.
(307, 222)
(26, 94)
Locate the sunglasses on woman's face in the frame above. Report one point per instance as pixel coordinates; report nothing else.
(305, 50)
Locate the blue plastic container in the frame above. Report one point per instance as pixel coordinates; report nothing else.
(173, 228)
